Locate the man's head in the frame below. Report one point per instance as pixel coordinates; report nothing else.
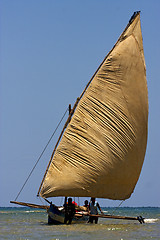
(69, 200)
(93, 199)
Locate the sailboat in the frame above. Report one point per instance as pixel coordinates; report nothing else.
(101, 149)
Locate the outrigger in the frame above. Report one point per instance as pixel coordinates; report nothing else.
(56, 216)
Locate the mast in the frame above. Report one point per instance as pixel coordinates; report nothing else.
(71, 111)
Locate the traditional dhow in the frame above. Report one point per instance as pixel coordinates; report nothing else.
(101, 149)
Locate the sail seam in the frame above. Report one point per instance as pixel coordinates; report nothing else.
(141, 51)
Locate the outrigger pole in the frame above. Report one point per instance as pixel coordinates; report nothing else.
(31, 205)
(139, 218)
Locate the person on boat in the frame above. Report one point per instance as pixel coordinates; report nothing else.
(86, 206)
(76, 206)
(75, 203)
(93, 207)
(69, 209)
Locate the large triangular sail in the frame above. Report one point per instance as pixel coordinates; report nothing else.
(103, 147)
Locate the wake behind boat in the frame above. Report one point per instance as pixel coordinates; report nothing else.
(101, 149)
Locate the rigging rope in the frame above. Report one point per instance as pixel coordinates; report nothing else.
(41, 154)
(118, 206)
(43, 202)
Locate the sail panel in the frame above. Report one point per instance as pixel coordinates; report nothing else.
(102, 150)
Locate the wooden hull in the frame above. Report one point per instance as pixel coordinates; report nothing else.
(56, 216)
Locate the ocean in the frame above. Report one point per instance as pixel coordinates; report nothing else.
(26, 223)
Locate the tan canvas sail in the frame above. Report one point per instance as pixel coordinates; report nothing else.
(103, 147)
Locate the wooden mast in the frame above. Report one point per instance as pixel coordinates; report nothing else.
(71, 111)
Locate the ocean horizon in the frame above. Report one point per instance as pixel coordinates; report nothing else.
(29, 223)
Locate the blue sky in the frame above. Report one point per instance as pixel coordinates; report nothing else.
(48, 52)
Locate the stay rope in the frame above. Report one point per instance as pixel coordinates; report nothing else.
(118, 206)
(41, 154)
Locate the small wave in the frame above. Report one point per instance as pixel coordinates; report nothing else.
(32, 211)
(29, 211)
(151, 220)
(105, 211)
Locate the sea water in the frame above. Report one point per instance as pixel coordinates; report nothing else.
(27, 223)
